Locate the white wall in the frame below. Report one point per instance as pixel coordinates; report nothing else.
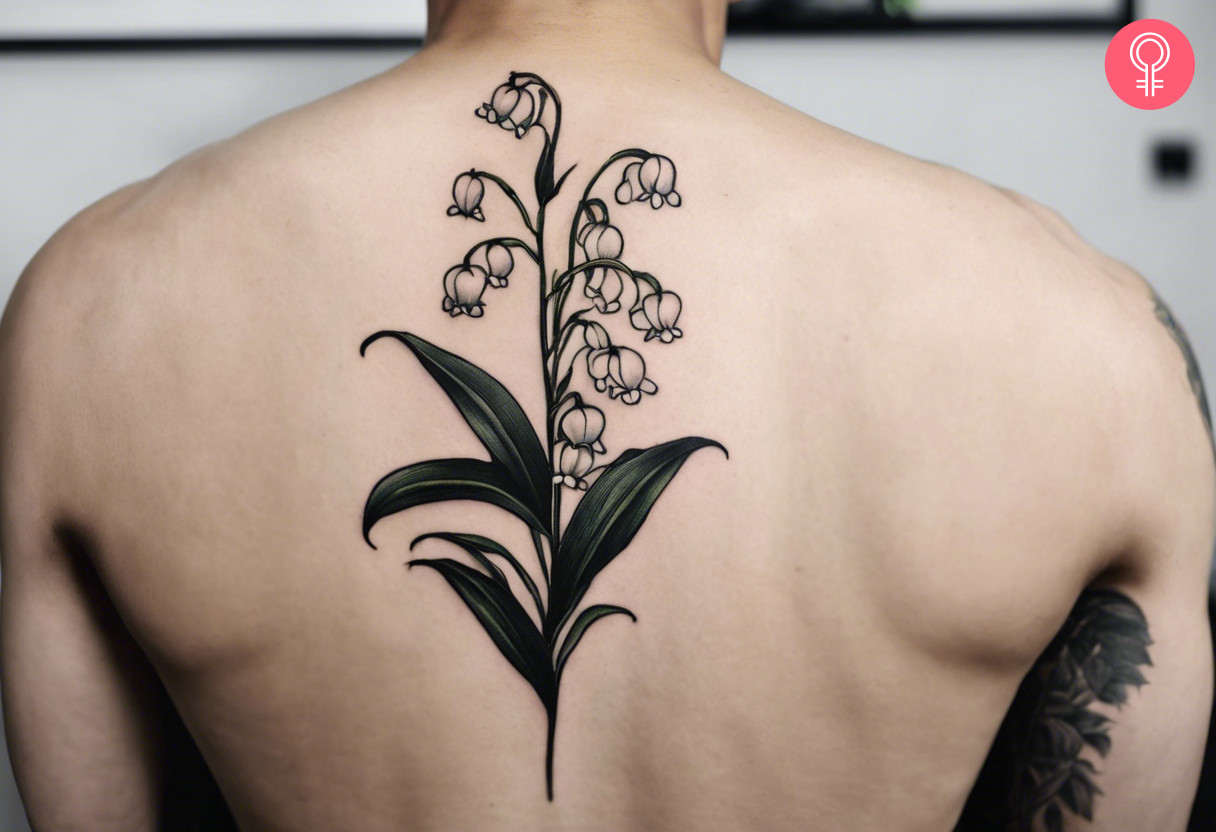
(129, 18)
(1030, 112)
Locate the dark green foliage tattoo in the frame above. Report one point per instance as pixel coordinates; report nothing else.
(524, 475)
(1192, 363)
(1035, 769)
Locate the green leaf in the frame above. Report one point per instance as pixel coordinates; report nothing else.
(1109, 642)
(475, 552)
(544, 173)
(585, 619)
(560, 180)
(607, 518)
(563, 385)
(478, 547)
(493, 414)
(510, 628)
(1053, 818)
(540, 556)
(438, 480)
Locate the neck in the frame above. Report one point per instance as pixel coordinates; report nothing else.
(621, 28)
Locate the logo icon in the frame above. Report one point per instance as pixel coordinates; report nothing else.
(1150, 83)
(1150, 64)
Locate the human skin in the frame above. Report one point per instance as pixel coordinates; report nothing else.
(947, 416)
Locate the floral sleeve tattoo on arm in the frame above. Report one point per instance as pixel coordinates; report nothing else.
(527, 475)
(1040, 769)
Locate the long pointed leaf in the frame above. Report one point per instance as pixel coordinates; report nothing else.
(607, 518)
(478, 547)
(473, 551)
(585, 619)
(438, 480)
(508, 626)
(540, 556)
(493, 414)
(558, 185)
(564, 384)
(544, 172)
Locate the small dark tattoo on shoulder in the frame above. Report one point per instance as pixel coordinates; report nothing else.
(1036, 772)
(581, 353)
(1188, 353)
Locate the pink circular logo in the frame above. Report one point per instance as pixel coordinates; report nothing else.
(1150, 64)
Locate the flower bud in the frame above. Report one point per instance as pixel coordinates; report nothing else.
(627, 376)
(656, 315)
(602, 242)
(463, 286)
(583, 426)
(652, 179)
(496, 260)
(467, 191)
(511, 108)
(573, 461)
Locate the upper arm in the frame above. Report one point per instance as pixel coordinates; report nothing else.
(80, 701)
(1108, 727)
(1159, 736)
(1107, 730)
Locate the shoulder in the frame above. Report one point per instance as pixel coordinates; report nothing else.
(104, 303)
(153, 245)
(1028, 414)
(1052, 367)
(1155, 382)
(980, 322)
(98, 263)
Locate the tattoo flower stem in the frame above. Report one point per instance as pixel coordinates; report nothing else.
(510, 192)
(526, 476)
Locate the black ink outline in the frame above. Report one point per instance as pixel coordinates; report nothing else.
(524, 476)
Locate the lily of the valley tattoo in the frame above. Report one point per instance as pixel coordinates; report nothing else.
(1035, 771)
(525, 476)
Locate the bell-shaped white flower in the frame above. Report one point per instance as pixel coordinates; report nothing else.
(601, 241)
(604, 287)
(657, 315)
(627, 376)
(511, 108)
(652, 179)
(463, 287)
(573, 462)
(599, 346)
(496, 260)
(584, 425)
(624, 374)
(467, 191)
(658, 178)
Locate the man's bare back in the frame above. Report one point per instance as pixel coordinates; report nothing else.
(946, 417)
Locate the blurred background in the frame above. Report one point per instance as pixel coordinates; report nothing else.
(94, 95)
